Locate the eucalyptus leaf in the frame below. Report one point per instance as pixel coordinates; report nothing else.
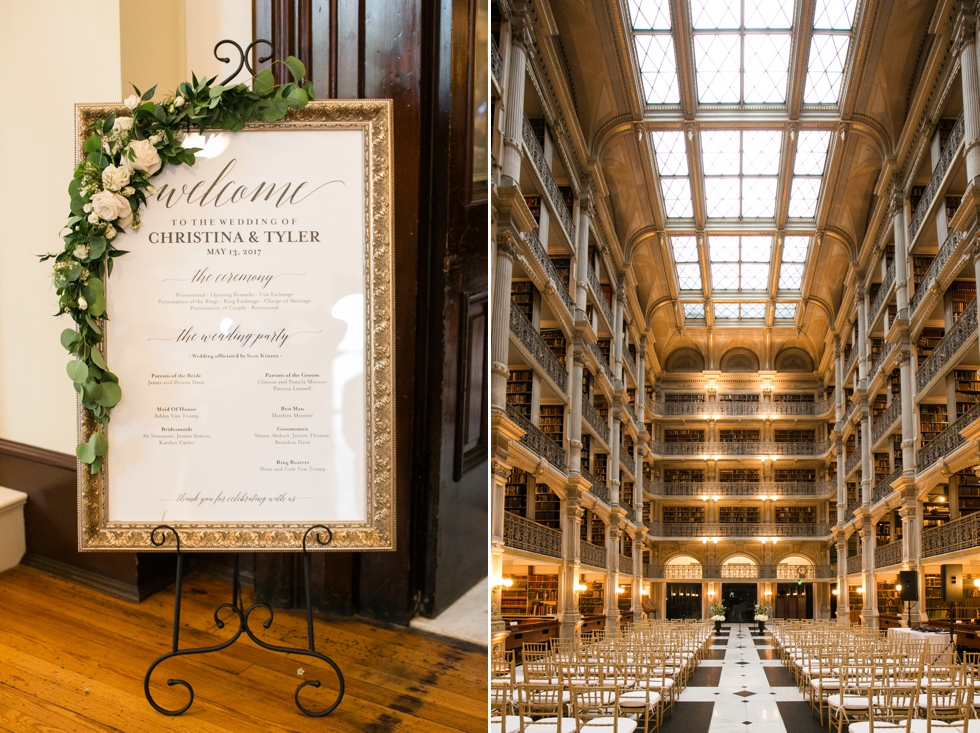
(296, 68)
(77, 371)
(96, 247)
(99, 443)
(264, 82)
(96, 466)
(98, 359)
(68, 338)
(111, 394)
(85, 452)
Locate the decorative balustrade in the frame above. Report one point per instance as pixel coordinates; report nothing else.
(743, 529)
(794, 571)
(945, 353)
(625, 565)
(653, 572)
(686, 409)
(603, 364)
(852, 357)
(536, 348)
(632, 414)
(888, 418)
(594, 420)
(783, 571)
(600, 297)
(742, 488)
(744, 448)
(849, 512)
(935, 183)
(537, 441)
(886, 350)
(496, 61)
(960, 534)
(824, 572)
(890, 554)
(592, 555)
(853, 459)
(884, 487)
(598, 489)
(542, 258)
(854, 564)
(882, 294)
(948, 440)
(739, 570)
(626, 461)
(682, 572)
(935, 268)
(629, 363)
(523, 534)
(548, 180)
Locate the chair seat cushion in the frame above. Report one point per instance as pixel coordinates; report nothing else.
(851, 702)
(607, 725)
(567, 726)
(638, 699)
(511, 724)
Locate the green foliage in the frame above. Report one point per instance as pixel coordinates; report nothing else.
(81, 267)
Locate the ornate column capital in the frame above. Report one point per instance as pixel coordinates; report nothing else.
(506, 245)
(965, 30)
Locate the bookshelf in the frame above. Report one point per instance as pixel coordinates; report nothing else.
(598, 530)
(586, 383)
(945, 128)
(855, 600)
(603, 345)
(738, 435)
(547, 507)
(785, 475)
(563, 266)
(969, 492)
(586, 451)
(530, 595)
(961, 294)
(552, 422)
(878, 407)
(967, 385)
(881, 464)
(678, 397)
(928, 341)
(568, 196)
(519, 384)
(934, 514)
(534, 204)
(600, 463)
(889, 599)
(601, 406)
(934, 604)
(513, 600)
(852, 492)
(538, 126)
(883, 533)
(522, 296)
(683, 475)
(920, 265)
(647, 516)
(739, 475)
(915, 196)
(793, 436)
(626, 495)
(738, 398)
(792, 398)
(607, 293)
(590, 601)
(876, 345)
(832, 515)
(895, 382)
(683, 514)
(739, 514)
(795, 514)
(554, 339)
(515, 492)
(675, 435)
(625, 599)
(952, 204)
(932, 421)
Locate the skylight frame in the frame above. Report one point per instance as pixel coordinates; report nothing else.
(654, 47)
(724, 186)
(673, 171)
(730, 275)
(726, 312)
(828, 42)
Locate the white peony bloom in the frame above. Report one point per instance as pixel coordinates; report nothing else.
(132, 101)
(81, 251)
(110, 232)
(110, 206)
(115, 177)
(82, 303)
(122, 124)
(145, 157)
(93, 218)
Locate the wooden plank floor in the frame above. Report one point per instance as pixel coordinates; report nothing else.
(73, 659)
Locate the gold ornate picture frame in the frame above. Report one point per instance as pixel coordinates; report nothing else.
(256, 525)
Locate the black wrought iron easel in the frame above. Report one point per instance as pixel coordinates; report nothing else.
(237, 608)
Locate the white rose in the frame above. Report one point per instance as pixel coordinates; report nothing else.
(125, 221)
(122, 124)
(110, 232)
(87, 208)
(93, 218)
(132, 101)
(128, 191)
(81, 251)
(82, 303)
(151, 189)
(145, 157)
(155, 139)
(115, 177)
(179, 102)
(109, 206)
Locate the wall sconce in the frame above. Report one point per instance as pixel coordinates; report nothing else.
(773, 540)
(705, 497)
(503, 583)
(861, 589)
(711, 592)
(835, 591)
(704, 540)
(767, 593)
(898, 586)
(579, 587)
(715, 498)
(714, 540)
(976, 582)
(620, 590)
(645, 591)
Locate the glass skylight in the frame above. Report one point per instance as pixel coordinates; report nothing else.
(655, 50)
(739, 263)
(791, 266)
(831, 39)
(694, 310)
(748, 61)
(733, 311)
(671, 154)
(686, 261)
(784, 311)
(740, 172)
(811, 158)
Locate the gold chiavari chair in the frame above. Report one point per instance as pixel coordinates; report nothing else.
(597, 710)
(889, 709)
(947, 709)
(638, 697)
(850, 703)
(541, 708)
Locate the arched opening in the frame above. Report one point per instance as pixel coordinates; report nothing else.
(740, 566)
(794, 591)
(683, 597)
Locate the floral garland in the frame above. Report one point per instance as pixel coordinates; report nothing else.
(107, 192)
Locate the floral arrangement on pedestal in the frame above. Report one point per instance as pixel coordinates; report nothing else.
(111, 184)
(762, 612)
(717, 612)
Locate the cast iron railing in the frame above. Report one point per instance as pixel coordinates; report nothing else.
(592, 555)
(882, 294)
(538, 350)
(629, 363)
(944, 355)
(887, 419)
(548, 180)
(598, 489)
(934, 269)
(853, 459)
(682, 572)
(852, 357)
(541, 256)
(948, 440)
(886, 350)
(684, 409)
(600, 297)
(625, 564)
(539, 443)
(742, 488)
(890, 554)
(935, 183)
(960, 534)
(496, 61)
(743, 529)
(523, 534)
(884, 487)
(744, 448)
(603, 363)
(854, 564)
(595, 421)
(626, 460)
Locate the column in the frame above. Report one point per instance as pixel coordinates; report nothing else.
(501, 471)
(582, 252)
(912, 549)
(862, 338)
(976, 267)
(839, 380)
(966, 35)
(575, 420)
(841, 487)
(901, 254)
(869, 612)
(613, 535)
(842, 579)
(500, 321)
(641, 389)
(571, 619)
(867, 471)
(617, 326)
(908, 411)
(514, 104)
(613, 467)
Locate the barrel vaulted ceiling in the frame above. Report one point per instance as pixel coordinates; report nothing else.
(742, 145)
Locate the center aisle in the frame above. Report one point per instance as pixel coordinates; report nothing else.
(741, 685)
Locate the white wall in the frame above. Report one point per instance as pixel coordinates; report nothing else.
(57, 52)
(60, 52)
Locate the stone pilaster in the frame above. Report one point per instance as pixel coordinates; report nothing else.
(966, 43)
(500, 321)
(514, 103)
(869, 613)
(571, 619)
